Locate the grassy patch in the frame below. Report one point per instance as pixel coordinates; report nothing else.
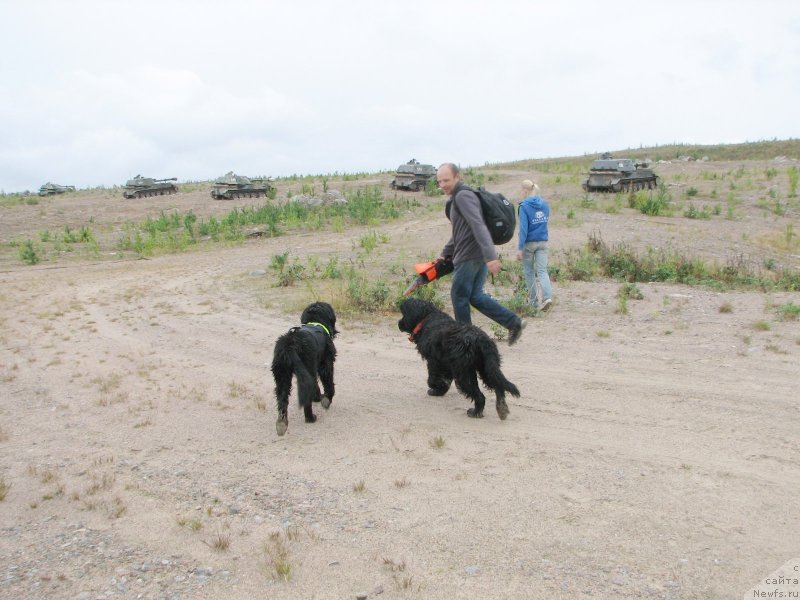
(279, 564)
(5, 487)
(620, 261)
(789, 311)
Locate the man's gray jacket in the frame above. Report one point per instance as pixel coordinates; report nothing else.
(471, 239)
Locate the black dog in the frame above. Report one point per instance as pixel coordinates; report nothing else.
(456, 352)
(305, 352)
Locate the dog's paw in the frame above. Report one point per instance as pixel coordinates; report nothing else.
(502, 409)
(311, 418)
(281, 425)
(326, 402)
(475, 414)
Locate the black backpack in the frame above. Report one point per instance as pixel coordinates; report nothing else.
(498, 214)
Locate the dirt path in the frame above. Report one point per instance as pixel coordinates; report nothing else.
(651, 455)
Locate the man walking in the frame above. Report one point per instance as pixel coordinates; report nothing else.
(473, 254)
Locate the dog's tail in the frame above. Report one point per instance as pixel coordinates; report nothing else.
(492, 375)
(306, 382)
(287, 362)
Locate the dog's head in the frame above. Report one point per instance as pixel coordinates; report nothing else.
(320, 312)
(414, 312)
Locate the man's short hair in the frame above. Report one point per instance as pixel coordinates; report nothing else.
(453, 168)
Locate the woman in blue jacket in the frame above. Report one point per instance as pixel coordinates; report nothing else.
(534, 213)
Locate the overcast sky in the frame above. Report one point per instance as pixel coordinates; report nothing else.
(96, 91)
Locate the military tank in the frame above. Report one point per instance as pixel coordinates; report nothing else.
(48, 189)
(231, 186)
(142, 187)
(608, 174)
(413, 176)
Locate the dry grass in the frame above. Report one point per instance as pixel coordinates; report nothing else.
(437, 443)
(279, 564)
(4, 488)
(221, 541)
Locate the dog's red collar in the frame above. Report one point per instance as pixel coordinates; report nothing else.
(415, 332)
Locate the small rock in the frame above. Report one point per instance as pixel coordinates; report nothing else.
(472, 570)
(671, 584)
(362, 596)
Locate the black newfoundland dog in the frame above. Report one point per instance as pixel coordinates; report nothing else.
(305, 352)
(456, 352)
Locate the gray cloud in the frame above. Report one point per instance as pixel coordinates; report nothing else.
(95, 92)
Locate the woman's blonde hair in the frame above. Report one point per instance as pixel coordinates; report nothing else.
(530, 186)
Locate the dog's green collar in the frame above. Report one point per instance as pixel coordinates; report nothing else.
(321, 325)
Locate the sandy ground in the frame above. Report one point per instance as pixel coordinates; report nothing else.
(651, 455)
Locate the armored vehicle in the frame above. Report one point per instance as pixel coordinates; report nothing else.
(48, 189)
(231, 186)
(141, 187)
(609, 174)
(413, 176)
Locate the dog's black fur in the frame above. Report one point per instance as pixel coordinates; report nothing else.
(457, 352)
(305, 352)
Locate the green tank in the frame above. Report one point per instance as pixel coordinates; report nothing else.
(608, 174)
(48, 189)
(142, 187)
(413, 176)
(231, 186)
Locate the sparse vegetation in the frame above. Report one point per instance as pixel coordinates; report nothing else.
(789, 311)
(27, 253)
(5, 487)
(279, 564)
(622, 262)
(761, 326)
(221, 541)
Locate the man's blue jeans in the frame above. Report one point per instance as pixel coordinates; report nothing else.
(534, 265)
(467, 289)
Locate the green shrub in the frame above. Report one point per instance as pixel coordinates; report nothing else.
(27, 253)
(789, 312)
(654, 205)
(332, 270)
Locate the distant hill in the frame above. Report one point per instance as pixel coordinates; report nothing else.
(763, 150)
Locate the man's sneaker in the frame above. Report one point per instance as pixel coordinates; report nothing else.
(516, 331)
(547, 304)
